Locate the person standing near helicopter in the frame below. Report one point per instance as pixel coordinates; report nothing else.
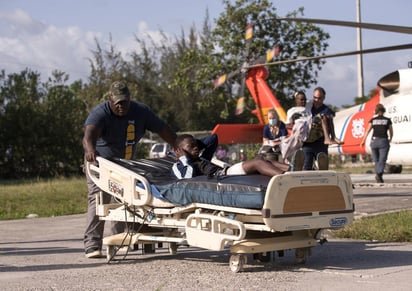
(274, 131)
(273, 134)
(380, 142)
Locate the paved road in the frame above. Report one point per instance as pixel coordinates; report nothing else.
(391, 180)
(47, 253)
(373, 198)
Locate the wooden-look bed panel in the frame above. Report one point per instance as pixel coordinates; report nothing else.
(313, 198)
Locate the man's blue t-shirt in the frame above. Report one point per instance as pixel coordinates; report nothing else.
(322, 110)
(120, 134)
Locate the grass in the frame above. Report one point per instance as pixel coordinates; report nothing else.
(69, 196)
(44, 198)
(361, 168)
(390, 227)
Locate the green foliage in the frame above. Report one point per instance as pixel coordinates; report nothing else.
(44, 198)
(42, 124)
(142, 151)
(251, 150)
(106, 66)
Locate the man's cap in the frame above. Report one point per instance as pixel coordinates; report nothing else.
(119, 92)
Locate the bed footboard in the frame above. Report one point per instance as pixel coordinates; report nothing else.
(308, 200)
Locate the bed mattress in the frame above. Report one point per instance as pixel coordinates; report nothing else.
(242, 191)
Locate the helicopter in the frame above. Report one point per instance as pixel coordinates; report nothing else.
(393, 90)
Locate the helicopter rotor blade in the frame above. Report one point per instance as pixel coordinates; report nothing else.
(242, 82)
(240, 105)
(248, 40)
(366, 51)
(374, 26)
(270, 54)
(222, 79)
(241, 102)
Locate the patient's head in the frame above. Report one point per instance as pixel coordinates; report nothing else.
(186, 145)
(300, 98)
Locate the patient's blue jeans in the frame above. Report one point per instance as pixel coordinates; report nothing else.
(209, 145)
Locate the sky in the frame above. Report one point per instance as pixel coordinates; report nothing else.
(45, 35)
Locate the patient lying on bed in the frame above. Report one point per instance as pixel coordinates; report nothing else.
(191, 164)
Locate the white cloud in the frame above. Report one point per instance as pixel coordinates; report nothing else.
(144, 32)
(29, 43)
(43, 48)
(338, 77)
(19, 23)
(128, 45)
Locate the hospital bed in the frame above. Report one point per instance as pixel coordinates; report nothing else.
(247, 214)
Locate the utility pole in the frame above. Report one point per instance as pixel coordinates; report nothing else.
(359, 46)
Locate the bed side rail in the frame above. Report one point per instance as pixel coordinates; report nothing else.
(213, 232)
(308, 200)
(120, 182)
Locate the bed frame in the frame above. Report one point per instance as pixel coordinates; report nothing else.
(297, 207)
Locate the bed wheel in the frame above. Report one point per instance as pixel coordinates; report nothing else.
(172, 248)
(237, 262)
(110, 252)
(262, 257)
(149, 248)
(301, 255)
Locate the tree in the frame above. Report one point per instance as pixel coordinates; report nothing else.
(106, 66)
(41, 124)
(295, 39)
(186, 68)
(186, 84)
(20, 119)
(64, 113)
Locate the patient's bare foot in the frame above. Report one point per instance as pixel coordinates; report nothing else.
(338, 141)
(284, 167)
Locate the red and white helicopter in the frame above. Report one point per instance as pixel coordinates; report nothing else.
(394, 91)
